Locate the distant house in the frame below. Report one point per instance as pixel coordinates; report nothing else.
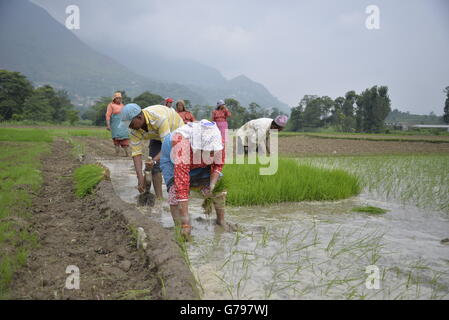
(431, 126)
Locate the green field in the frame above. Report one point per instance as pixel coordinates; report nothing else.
(20, 178)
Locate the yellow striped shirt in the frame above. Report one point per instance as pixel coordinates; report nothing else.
(160, 121)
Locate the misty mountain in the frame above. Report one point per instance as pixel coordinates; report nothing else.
(41, 48)
(47, 53)
(204, 80)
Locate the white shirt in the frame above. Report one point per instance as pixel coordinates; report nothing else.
(256, 130)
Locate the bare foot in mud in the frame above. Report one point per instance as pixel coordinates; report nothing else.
(227, 227)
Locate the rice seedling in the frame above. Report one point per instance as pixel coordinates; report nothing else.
(87, 177)
(421, 180)
(370, 209)
(291, 183)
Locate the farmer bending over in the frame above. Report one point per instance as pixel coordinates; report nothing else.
(155, 123)
(192, 158)
(257, 133)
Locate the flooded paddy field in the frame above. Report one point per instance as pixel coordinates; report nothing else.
(324, 250)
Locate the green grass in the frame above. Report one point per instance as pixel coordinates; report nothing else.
(20, 176)
(291, 183)
(370, 209)
(86, 178)
(24, 134)
(46, 132)
(99, 133)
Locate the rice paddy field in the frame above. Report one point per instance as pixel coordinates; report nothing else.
(325, 249)
(341, 218)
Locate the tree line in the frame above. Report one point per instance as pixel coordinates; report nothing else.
(364, 112)
(19, 101)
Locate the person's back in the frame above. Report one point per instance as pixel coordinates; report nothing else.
(262, 124)
(161, 121)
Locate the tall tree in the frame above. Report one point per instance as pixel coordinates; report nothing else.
(15, 88)
(296, 122)
(373, 107)
(446, 106)
(255, 111)
(349, 121)
(326, 105)
(147, 98)
(336, 118)
(38, 105)
(239, 113)
(312, 114)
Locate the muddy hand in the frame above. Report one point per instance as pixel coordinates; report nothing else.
(149, 165)
(141, 184)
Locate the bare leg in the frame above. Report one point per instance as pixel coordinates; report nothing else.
(126, 151)
(220, 211)
(174, 209)
(185, 219)
(157, 184)
(220, 216)
(117, 150)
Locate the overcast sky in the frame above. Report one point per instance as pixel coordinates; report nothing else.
(292, 47)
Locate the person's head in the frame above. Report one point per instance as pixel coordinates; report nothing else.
(117, 98)
(220, 104)
(180, 106)
(279, 122)
(168, 102)
(132, 116)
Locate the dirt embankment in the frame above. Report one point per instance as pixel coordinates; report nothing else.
(103, 148)
(303, 146)
(94, 235)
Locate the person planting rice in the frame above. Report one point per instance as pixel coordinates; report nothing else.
(119, 135)
(257, 133)
(193, 158)
(155, 123)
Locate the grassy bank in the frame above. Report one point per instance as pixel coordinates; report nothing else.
(291, 183)
(20, 179)
(44, 133)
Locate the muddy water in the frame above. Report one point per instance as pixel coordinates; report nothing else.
(312, 250)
